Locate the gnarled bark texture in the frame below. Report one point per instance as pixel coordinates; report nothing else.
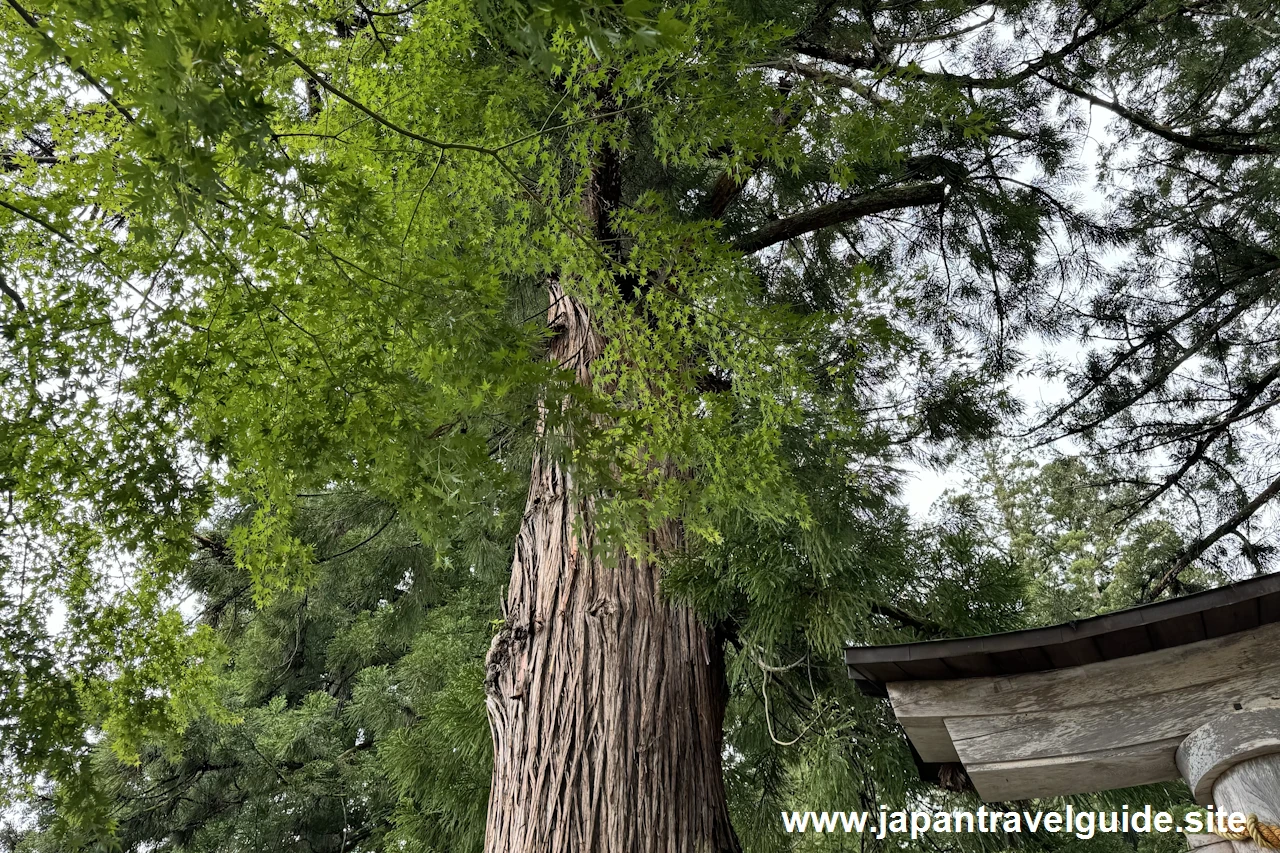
(606, 702)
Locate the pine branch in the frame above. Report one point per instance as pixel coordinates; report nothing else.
(1193, 552)
(839, 212)
(1205, 143)
(819, 75)
(1212, 433)
(1028, 70)
(852, 61)
(1118, 362)
(928, 627)
(367, 540)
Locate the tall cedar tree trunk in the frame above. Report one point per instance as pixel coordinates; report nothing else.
(606, 702)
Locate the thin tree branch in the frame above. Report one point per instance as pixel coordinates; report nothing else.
(394, 12)
(1028, 70)
(12, 294)
(932, 629)
(1208, 144)
(1191, 553)
(1212, 434)
(38, 220)
(366, 541)
(835, 213)
(1151, 337)
(11, 161)
(78, 69)
(387, 123)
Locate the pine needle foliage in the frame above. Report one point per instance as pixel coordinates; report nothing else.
(273, 292)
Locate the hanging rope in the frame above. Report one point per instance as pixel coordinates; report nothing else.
(1263, 834)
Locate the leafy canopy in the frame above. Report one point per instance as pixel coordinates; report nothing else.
(256, 253)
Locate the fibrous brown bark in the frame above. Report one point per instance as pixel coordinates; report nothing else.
(606, 702)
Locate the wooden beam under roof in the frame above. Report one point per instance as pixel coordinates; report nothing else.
(1097, 703)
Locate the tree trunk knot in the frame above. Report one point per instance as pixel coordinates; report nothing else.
(500, 653)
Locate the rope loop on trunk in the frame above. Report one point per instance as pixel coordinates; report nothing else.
(1263, 834)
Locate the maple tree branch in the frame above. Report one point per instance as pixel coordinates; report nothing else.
(12, 294)
(102, 90)
(11, 161)
(728, 185)
(38, 220)
(391, 13)
(385, 122)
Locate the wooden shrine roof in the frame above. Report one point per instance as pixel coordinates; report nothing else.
(1137, 630)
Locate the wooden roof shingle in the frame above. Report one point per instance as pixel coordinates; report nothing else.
(1164, 624)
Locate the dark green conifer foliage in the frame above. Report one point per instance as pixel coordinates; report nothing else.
(274, 287)
(354, 711)
(357, 718)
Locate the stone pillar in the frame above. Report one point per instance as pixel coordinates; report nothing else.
(1233, 763)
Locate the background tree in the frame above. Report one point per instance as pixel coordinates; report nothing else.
(1067, 525)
